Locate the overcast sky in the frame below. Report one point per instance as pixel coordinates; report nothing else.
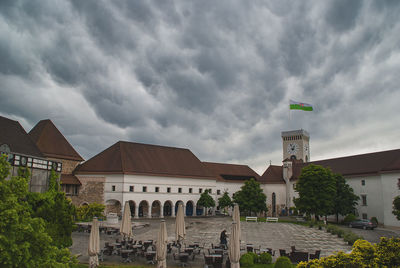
(211, 76)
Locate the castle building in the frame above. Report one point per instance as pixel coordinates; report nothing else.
(154, 179)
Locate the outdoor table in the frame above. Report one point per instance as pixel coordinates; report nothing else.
(189, 250)
(126, 252)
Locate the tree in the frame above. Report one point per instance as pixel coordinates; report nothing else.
(396, 207)
(345, 200)
(24, 241)
(87, 212)
(206, 200)
(317, 190)
(56, 210)
(251, 198)
(224, 201)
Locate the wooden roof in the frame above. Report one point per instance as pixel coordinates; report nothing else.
(52, 143)
(231, 172)
(14, 135)
(69, 179)
(145, 159)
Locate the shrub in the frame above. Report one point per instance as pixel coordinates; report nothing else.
(388, 252)
(87, 212)
(283, 262)
(265, 258)
(363, 252)
(374, 220)
(350, 238)
(329, 228)
(246, 260)
(340, 232)
(254, 256)
(349, 218)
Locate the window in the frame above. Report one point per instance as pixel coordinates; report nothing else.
(218, 192)
(398, 184)
(363, 182)
(364, 200)
(179, 190)
(200, 190)
(131, 188)
(113, 188)
(168, 189)
(144, 189)
(364, 216)
(190, 190)
(157, 189)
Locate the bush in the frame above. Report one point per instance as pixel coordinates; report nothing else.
(384, 254)
(340, 232)
(283, 262)
(254, 256)
(265, 258)
(350, 238)
(374, 220)
(246, 260)
(349, 218)
(87, 212)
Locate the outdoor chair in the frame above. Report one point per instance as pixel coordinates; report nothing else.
(169, 248)
(150, 258)
(316, 255)
(293, 248)
(271, 251)
(282, 252)
(249, 248)
(125, 257)
(101, 255)
(208, 261)
(217, 262)
(298, 256)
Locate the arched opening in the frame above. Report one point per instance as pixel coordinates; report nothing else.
(168, 208)
(189, 208)
(177, 204)
(132, 207)
(293, 157)
(199, 210)
(274, 204)
(156, 209)
(113, 206)
(84, 204)
(143, 208)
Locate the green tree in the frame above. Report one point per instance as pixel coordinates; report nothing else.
(87, 212)
(345, 200)
(251, 198)
(206, 200)
(396, 207)
(24, 241)
(317, 190)
(225, 201)
(56, 210)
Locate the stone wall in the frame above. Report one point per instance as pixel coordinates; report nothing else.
(67, 165)
(91, 191)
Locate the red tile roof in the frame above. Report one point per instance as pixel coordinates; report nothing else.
(51, 142)
(273, 175)
(69, 179)
(231, 172)
(14, 135)
(145, 159)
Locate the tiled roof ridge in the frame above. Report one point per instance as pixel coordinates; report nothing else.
(153, 145)
(351, 156)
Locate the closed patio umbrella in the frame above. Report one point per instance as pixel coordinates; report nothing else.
(234, 247)
(126, 224)
(180, 231)
(236, 218)
(161, 248)
(94, 244)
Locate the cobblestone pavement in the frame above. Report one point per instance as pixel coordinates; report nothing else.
(374, 236)
(207, 230)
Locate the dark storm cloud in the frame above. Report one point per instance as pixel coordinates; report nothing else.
(214, 77)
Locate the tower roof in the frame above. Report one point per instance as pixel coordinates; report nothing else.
(14, 135)
(51, 142)
(145, 159)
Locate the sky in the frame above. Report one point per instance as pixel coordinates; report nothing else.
(215, 77)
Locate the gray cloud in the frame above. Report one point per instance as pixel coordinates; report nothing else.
(214, 77)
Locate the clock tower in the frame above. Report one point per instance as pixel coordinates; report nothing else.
(296, 145)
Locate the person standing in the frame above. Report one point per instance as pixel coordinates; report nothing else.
(223, 237)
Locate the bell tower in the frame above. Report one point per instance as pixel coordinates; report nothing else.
(296, 145)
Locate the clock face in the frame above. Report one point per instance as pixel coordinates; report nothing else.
(293, 148)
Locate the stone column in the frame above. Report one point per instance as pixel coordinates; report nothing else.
(173, 211)
(161, 211)
(149, 213)
(194, 211)
(136, 211)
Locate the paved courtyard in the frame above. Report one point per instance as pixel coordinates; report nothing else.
(207, 230)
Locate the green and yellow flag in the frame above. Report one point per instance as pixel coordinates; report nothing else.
(295, 105)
